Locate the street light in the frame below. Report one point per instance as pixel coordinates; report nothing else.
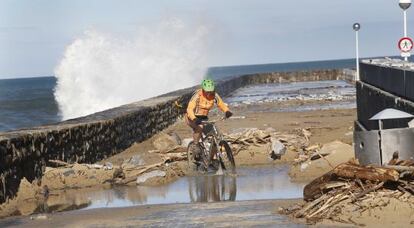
(404, 5)
(356, 28)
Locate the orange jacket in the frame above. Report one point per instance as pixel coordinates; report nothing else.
(200, 105)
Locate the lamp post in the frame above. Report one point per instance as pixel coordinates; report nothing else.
(356, 28)
(404, 5)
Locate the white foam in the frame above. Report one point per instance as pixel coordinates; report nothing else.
(101, 70)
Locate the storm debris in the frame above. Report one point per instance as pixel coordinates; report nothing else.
(278, 142)
(352, 188)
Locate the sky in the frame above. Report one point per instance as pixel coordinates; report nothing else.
(35, 33)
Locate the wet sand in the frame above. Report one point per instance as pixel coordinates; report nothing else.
(222, 214)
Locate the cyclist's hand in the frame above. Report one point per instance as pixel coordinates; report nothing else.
(228, 114)
(197, 121)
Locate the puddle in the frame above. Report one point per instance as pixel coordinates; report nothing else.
(322, 95)
(250, 183)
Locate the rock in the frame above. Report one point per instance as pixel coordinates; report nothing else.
(133, 162)
(68, 171)
(108, 166)
(277, 149)
(146, 176)
(165, 142)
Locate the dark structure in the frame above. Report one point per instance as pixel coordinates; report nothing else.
(384, 84)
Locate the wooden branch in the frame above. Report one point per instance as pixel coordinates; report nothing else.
(143, 170)
(171, 157)
(348, 171)
(320, 155)
(354, 171)
(366, 191)
(315, 187)
(310, 205)
(399, 167)
(360, 184)
(59, 163)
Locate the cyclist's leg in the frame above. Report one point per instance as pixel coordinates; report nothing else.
(197, 130)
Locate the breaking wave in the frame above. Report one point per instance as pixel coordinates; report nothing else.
(101, 70)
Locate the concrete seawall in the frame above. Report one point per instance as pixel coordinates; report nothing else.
(385, 83)
(384, 86)
(25, 153)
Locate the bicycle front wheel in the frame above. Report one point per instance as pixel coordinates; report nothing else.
(227, 156)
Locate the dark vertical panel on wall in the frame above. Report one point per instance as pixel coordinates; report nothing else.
(409, 85)
(371, 100)
(389, 79)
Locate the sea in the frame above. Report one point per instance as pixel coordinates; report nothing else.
(30, 102)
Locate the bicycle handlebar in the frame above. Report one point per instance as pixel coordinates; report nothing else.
(213, 121)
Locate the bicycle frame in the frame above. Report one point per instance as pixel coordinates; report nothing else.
(216, 137)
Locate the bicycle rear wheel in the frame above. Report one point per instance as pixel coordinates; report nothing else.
(227, 156)
(194, 155)
(190, 155)
(197, 158)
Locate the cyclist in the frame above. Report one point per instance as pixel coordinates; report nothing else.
(199, 106)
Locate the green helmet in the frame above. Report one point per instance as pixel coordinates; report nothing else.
(207, 85)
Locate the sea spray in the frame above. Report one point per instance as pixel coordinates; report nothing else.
(100, 71)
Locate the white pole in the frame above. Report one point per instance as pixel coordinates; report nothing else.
(380, 139)
(405, 29)
(357, 57)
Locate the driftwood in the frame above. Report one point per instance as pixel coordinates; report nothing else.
(399, 167)
(354, 171)
(172, 157)
(59, 163)
(395, 161)
(254, 137)
(350, 171)
(316, 188)
(171, 150)
(353, 185)
(308, 207)
(366, 191)
(142, 170)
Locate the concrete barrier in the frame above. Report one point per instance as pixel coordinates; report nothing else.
(371, 100)
(384, 84)
(25, 153)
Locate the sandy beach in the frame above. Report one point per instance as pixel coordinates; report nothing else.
(325, 126)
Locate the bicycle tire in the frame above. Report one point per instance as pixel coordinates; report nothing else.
(190, 157)
(229, 163)
(192, 163)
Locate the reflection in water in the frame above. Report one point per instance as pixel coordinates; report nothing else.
(212, 188)
(270, 182)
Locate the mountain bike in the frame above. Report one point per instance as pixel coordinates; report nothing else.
(212, 151)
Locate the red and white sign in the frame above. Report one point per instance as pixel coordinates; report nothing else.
(405, 44)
